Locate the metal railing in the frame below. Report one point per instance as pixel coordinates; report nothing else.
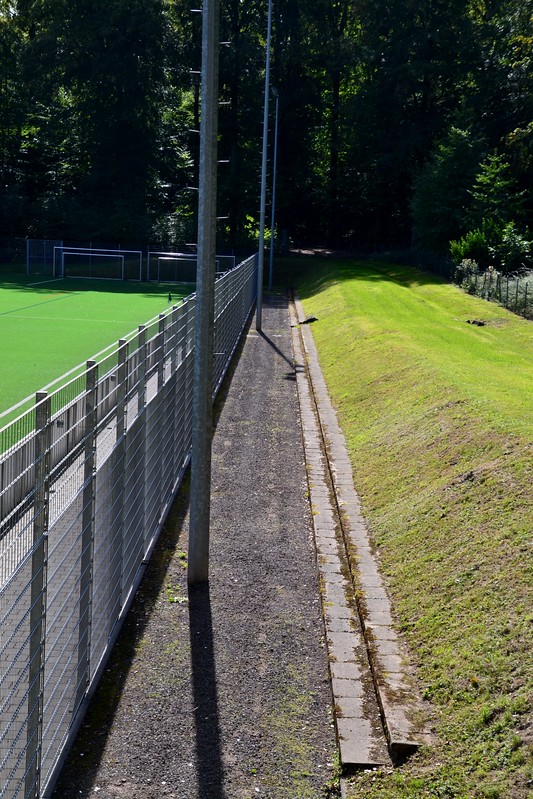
(87, 476)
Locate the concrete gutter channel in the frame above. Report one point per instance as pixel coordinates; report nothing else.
(378, 713)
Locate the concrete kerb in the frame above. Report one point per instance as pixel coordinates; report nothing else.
(360, 734)
(400, 706)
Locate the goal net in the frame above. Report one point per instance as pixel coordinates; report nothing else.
(97, 264)
(177, 267)
(171, 267)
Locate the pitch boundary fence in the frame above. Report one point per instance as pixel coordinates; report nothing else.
(87, 477)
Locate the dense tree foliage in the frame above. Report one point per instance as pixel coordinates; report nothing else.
(401, 122)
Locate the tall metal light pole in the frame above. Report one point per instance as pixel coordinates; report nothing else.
(202, 426)
(261, 256)
(273, 217)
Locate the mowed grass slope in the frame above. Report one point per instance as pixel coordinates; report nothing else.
(49, 327)
(438, 418)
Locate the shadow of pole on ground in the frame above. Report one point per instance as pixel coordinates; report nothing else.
(204, 684)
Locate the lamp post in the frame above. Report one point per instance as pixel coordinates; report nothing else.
(275, 92)
(202, 427)
(261, 254)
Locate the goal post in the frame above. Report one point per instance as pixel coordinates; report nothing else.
(226, 262)
(97, 264)
(171, 267)
(180, 267)
(79, 264)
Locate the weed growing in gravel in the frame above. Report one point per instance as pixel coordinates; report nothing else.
(174, 594)
(291, 712)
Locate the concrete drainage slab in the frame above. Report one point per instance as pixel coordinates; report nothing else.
(378, 713)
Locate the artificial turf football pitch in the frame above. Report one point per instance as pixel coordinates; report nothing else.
(48, 326)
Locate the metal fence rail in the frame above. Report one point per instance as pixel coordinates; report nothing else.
(87, 477)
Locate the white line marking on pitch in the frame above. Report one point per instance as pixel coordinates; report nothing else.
(43, 282)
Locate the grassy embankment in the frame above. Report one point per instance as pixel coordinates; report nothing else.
(437, 416)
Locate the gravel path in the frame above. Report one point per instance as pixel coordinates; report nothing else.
(223, 693)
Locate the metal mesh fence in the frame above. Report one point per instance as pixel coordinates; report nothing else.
(513, 291)
(87, 476)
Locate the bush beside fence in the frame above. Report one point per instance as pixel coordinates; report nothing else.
(87, 477)
(514, 291)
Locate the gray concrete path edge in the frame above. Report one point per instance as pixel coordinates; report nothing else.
(401, 707)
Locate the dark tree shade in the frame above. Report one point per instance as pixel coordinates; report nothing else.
(387, 108)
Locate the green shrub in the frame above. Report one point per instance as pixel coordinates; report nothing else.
(504, 247)
(494, 194)
(465, 275)
(515, 251)
(473, 246)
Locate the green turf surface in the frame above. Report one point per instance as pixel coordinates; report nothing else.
(49, 326)
(437, 418)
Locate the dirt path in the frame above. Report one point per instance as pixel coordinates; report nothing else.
(224, 693)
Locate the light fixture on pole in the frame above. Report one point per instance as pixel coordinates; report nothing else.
(261, 253)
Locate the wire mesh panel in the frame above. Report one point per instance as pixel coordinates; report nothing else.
(235, 293)
(152, 467)
(63, 610)
(15, 603)
(133, 536)
(108, 553)
(87, 476)
(168, 443)
(40, 256)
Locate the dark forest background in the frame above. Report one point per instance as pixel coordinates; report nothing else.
(402, 122)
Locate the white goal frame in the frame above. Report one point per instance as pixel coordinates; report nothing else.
(61, 251)
(223, 263)
(188, 257)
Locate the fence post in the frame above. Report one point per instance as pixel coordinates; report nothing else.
(516, 296)
(176, 372)
(121, 387)
(173, 341)
(185, 370)
(525, 299)
(141, 359)
(38, 595)
(143, 354)
(158, 431)
(87, 536)
(115, 555)
(161, 352)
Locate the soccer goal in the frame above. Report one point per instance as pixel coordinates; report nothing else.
(225, 263)
(178, 267)
(99, 264)
(171, 267)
